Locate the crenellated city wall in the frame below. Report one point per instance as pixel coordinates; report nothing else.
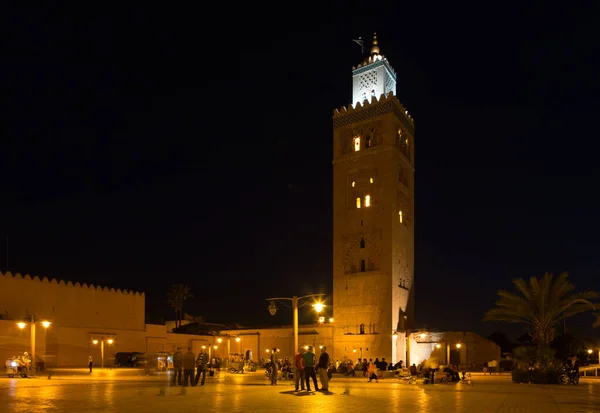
(68, 304)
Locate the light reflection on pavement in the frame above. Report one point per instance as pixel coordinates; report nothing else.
(128, 391)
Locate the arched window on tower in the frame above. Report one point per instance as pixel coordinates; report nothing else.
(358, 203)
(368, 142)
(400, 217)
(367, 201)
(356, 142)
(362, 242)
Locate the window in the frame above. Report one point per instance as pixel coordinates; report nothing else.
(362, 266)
(353, 184)
(400, 216)
(368, 142)
(371, 180)
(362, 242)
(356, 141)
(367, 201)
(358, 203)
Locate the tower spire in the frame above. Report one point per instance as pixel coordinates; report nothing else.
(375, 47)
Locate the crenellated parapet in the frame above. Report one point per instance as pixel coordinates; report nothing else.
(83, 286)
(369, 109)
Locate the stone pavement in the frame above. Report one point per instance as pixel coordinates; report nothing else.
(251, 393)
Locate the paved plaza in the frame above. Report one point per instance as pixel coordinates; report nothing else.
(121, 391)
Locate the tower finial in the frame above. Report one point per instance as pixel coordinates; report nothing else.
(375, 47)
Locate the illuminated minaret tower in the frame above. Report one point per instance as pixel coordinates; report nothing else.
(373, 216)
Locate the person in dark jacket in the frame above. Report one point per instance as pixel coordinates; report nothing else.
(177, 367)
(189, 364)
(202, 365)
(322, 368)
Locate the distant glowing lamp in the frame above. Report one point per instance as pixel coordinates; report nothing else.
(215, 347)
(219, 340)
(318, 307)
(238, 339)
(95, 342)
(395, 336)
(305, 347)
(268, 350)
(321, 320)
(590, 351)
(203, 347)
(422, 335)
(331, 319)
(22, 325)
(321, 347)
(110, 341)
(46, 323)
(438, 346)
(458, 345)
(278, 350)
(354, 350)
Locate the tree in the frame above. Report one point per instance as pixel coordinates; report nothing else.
(541, 304)
(175, 298)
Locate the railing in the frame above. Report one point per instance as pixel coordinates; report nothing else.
(585, 371)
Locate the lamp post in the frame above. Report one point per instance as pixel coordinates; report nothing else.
(318, 306)
(33, 320)
(109, 340)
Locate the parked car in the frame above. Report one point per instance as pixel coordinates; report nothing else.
(129, 359)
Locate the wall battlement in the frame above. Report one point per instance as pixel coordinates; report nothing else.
(68, 304)
(366, 105)
(83, 286)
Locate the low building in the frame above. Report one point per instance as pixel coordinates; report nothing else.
(87, 320)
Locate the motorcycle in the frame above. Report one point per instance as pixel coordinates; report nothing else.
(16, 367)
(569, 376)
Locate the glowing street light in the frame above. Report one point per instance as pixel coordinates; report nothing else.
(238, 339)
(219, 340)
(33, 320)
(590, 351)
(318, 306)
(458, 345)
(101, 340)
(438, 346)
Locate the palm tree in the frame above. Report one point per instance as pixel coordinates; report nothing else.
(175, 298)
(541, 304)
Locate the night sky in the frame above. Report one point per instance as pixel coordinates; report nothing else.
(142, 148)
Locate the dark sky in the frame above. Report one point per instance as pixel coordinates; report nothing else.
(144, 147)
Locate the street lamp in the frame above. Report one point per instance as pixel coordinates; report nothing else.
(101, 340)
(318, 306)
(33, 320)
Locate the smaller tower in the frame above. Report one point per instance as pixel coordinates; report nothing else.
(373, 77)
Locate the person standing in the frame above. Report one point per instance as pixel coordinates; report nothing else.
(309, 368)
(299, 370)
(274, 367)
(177, 367)
(202, 366)
(90, 363)
(189, 363)
(323, 368)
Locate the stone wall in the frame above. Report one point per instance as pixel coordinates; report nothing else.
(68, 304)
